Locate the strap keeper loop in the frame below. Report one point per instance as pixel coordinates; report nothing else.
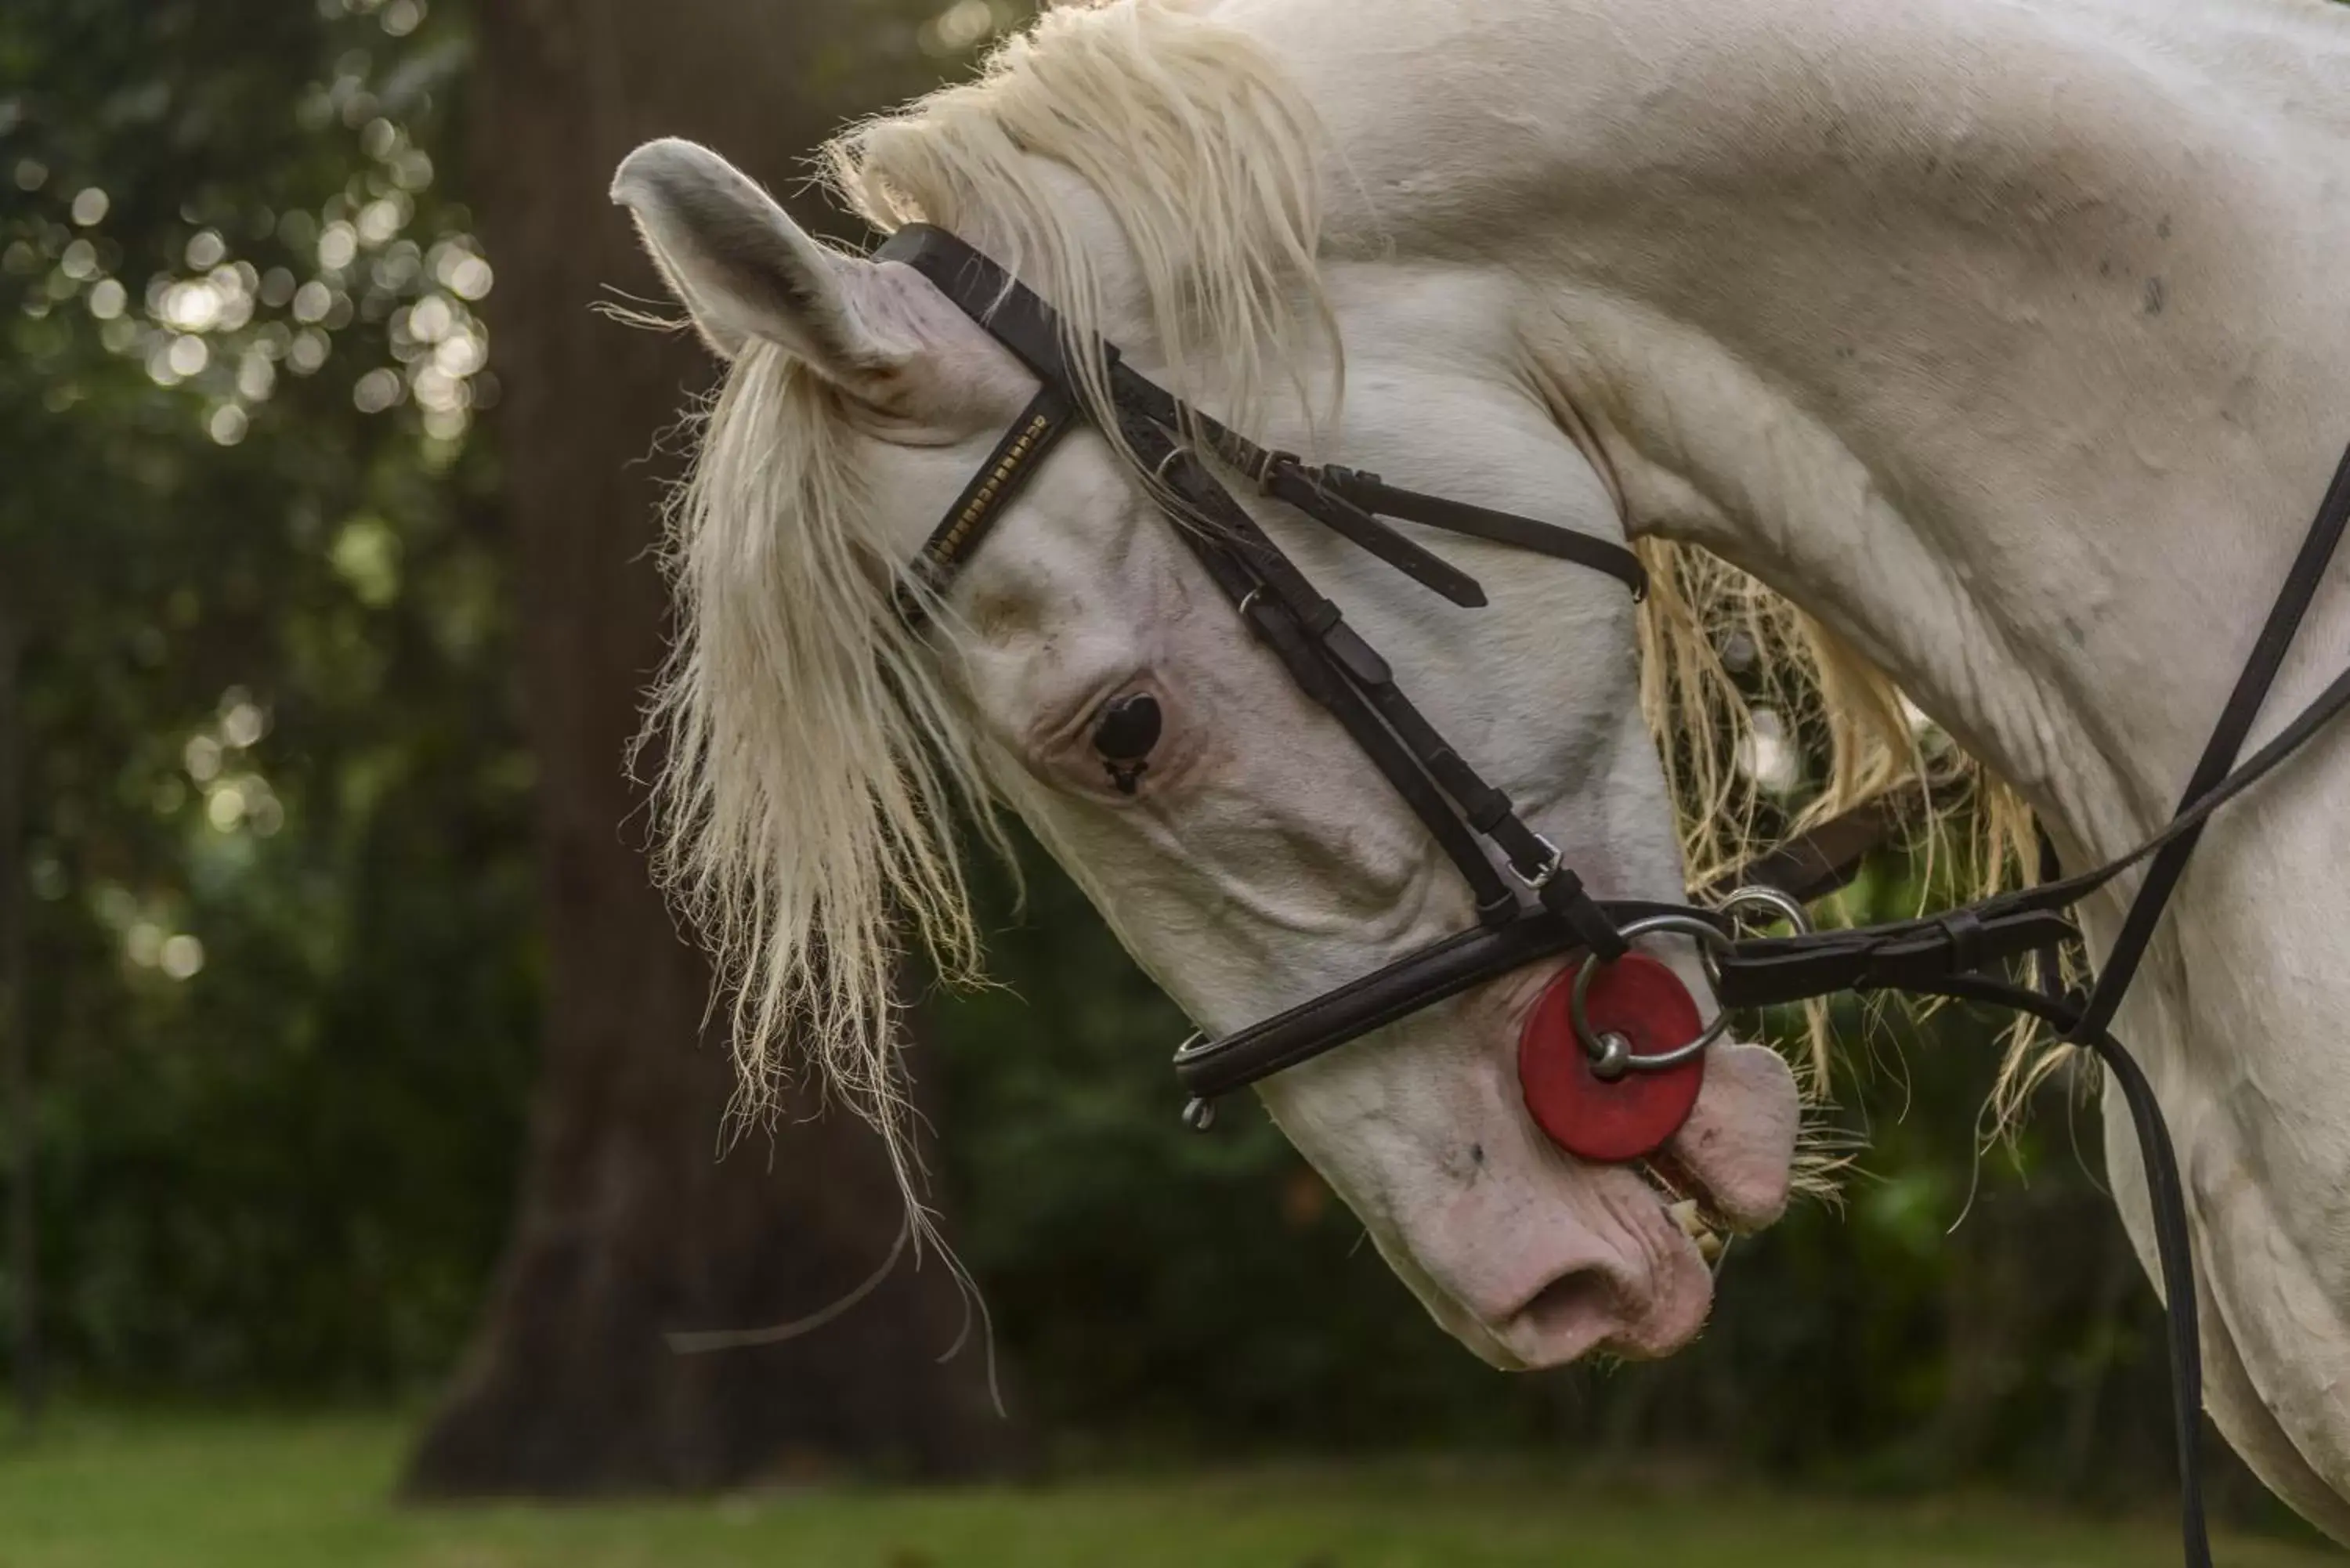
(1486, 813)
(1563, 895)
(1353, 484)
(1963, 929)
(1500, 911)
(1267, 463)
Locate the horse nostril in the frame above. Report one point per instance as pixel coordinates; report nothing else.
(1566, 1318)
(1128, 728)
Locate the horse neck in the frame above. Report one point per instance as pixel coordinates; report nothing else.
(2003, 340)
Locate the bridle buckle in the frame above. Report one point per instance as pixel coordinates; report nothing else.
(1534, 882)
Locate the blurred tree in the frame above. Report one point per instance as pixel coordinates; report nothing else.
(628, 1227)
(263, 722)
(283, 974)
(24, 1267)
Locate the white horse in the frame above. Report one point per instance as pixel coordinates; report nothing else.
(2009, 340)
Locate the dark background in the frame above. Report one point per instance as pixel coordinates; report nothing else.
(350, 1058)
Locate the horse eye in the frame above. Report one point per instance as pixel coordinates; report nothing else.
(1124, 734)
(1129, 727)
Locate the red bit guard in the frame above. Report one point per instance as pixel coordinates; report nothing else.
(1586, 1114)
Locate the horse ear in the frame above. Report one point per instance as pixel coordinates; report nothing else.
(742, 269)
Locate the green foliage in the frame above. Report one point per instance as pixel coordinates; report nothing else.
(280, 930)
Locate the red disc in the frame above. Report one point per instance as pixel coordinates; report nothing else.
(1645, 1002)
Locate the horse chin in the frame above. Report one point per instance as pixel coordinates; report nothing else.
(1656, 1302)
(1651, 1304)
(1737, 1150)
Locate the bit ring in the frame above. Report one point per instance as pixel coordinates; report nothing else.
(1780, 905)
(1710, 940)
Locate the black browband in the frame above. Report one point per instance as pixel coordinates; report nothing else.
(1957, 954)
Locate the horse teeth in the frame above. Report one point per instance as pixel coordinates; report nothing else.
(1694, 1225)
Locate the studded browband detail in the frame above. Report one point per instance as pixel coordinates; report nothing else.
(946, 548)
(1047, 418)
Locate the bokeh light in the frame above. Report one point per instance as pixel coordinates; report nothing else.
(222, 326)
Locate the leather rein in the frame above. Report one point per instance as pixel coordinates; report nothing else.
(1543, 910)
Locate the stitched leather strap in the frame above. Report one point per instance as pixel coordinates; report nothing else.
(1762, 971)
(1311, 638)
(1295, 485)
(1393, 991)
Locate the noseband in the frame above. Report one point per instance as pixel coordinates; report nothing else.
(1543, 910)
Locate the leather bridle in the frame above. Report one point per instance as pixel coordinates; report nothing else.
(1549, 913)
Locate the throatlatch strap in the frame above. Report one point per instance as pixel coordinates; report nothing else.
(1372, 494)
(1818, 862)
(1289, 482)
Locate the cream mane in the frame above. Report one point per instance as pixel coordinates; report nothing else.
(812, 763)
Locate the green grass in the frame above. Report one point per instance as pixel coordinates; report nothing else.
(98, 1492)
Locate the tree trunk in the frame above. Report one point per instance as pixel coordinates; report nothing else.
(16, 1040)
(631, 1225)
